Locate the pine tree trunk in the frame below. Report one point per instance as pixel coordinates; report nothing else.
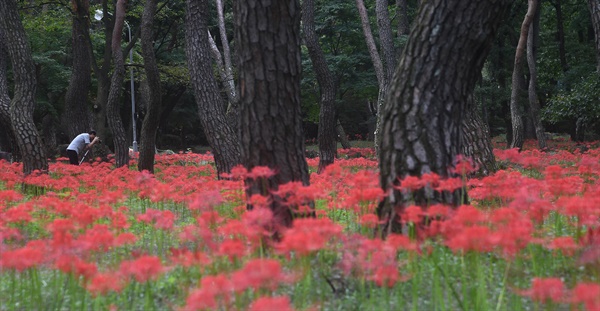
(517, 97)
(8, 140)
(327, 86)
(115, 123)
(476, 140)
(76, 115)
(402, 15)
(268, 43)
(560, 35)
(341, 134)
(534, 104)
(152, 118)
(23, 101)
(221, 136)
(428, 98)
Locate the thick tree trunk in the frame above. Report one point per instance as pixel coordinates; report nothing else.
(222, 138)
(152, 118)
(23, 101)
(8, 139)
(115, 123)
(476, 141)
(534, 104)
(268, 43)
(594, 6)
(428, 97)
(516, 95)
(327, 86)
(76, 117)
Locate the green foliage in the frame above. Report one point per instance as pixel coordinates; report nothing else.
(582, 101)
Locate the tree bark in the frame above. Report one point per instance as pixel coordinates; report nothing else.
(327, 86)
(386, 37)
(377, 64)
(594, 6)
(76, 115)
(339, 130)
(517, 96)
(115, 123)
(233, 108)
(428, 97)
(227, 66)
(8, 140)
(534, 104)
(269, 64)
(402, 15)
(152, 118)
(560, 33)
(222, 138)
(23, 101)
(476, 141)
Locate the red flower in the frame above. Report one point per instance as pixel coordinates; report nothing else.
(143, 268)
(588, 294)
(102, 283)
(20, 259)
(565, 244)
(545, 289)
(271, 304)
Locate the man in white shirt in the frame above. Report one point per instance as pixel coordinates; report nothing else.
(83, 141)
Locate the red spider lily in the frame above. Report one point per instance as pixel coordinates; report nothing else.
(20, 213)
(258, 273)
(588, 294)
(143, 269)
(211, 288)
(308, 235)
(102, 283)
(401, 242)
(463, 166)
(438, 210)
(258, 201)
(261, 172)
(9, 196)
(238, 172)
(537, 208)
(232, 249)
(124, 239)
(162, 219)
(410, 183)
(32, 255)
(206, 200)
(475, 238)
(585, 208)
(564, 244)
(413, 214)
(271, 303)
(119, 219)
(186, 258)
(98, 237)
(545, 289)
(76, 266)
(450, 184)
(369, 220)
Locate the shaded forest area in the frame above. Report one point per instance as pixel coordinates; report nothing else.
(562, 45)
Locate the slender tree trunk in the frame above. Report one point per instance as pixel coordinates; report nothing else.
(402, 15)
(222, 138)
(386, 38)
(534, 104)
(76, 115)
(233, 108)
(327, 87)
(517, 96)
(594, 6)
(560, 33)
(152, 118)
(269, 64)
(339, 130)
(422, 115)
(377, 64)
(115, 123)
(23, 101)
(228, 78)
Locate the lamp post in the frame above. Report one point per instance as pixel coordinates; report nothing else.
(98, 16)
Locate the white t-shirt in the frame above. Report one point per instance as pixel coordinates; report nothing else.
(79, 142)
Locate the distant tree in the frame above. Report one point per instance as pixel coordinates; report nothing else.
(429, 96)
(534, 103)
(268, 44)
(23, 101)
(594, 6)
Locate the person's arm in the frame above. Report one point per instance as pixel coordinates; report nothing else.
(90, 145)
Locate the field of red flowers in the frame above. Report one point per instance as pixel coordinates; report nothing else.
(98, 238)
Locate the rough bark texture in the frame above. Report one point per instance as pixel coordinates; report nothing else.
(402, 15)
(386, 38)
(76, 115)
(341, 134)
(268, 43)
(23, 101)
(327, 87)
(8, 140)
(220, 135)
(227, 66)
(101, 73)
(428, 97)
(115, 123)
(476, 141)
(152, 118)
(516, 95)
(534, 104)
(594, 6)
(233, 108)
(377, 64)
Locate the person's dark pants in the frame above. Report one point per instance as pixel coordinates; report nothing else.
(73, 157)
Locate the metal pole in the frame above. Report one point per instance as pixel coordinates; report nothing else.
(135, 144)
